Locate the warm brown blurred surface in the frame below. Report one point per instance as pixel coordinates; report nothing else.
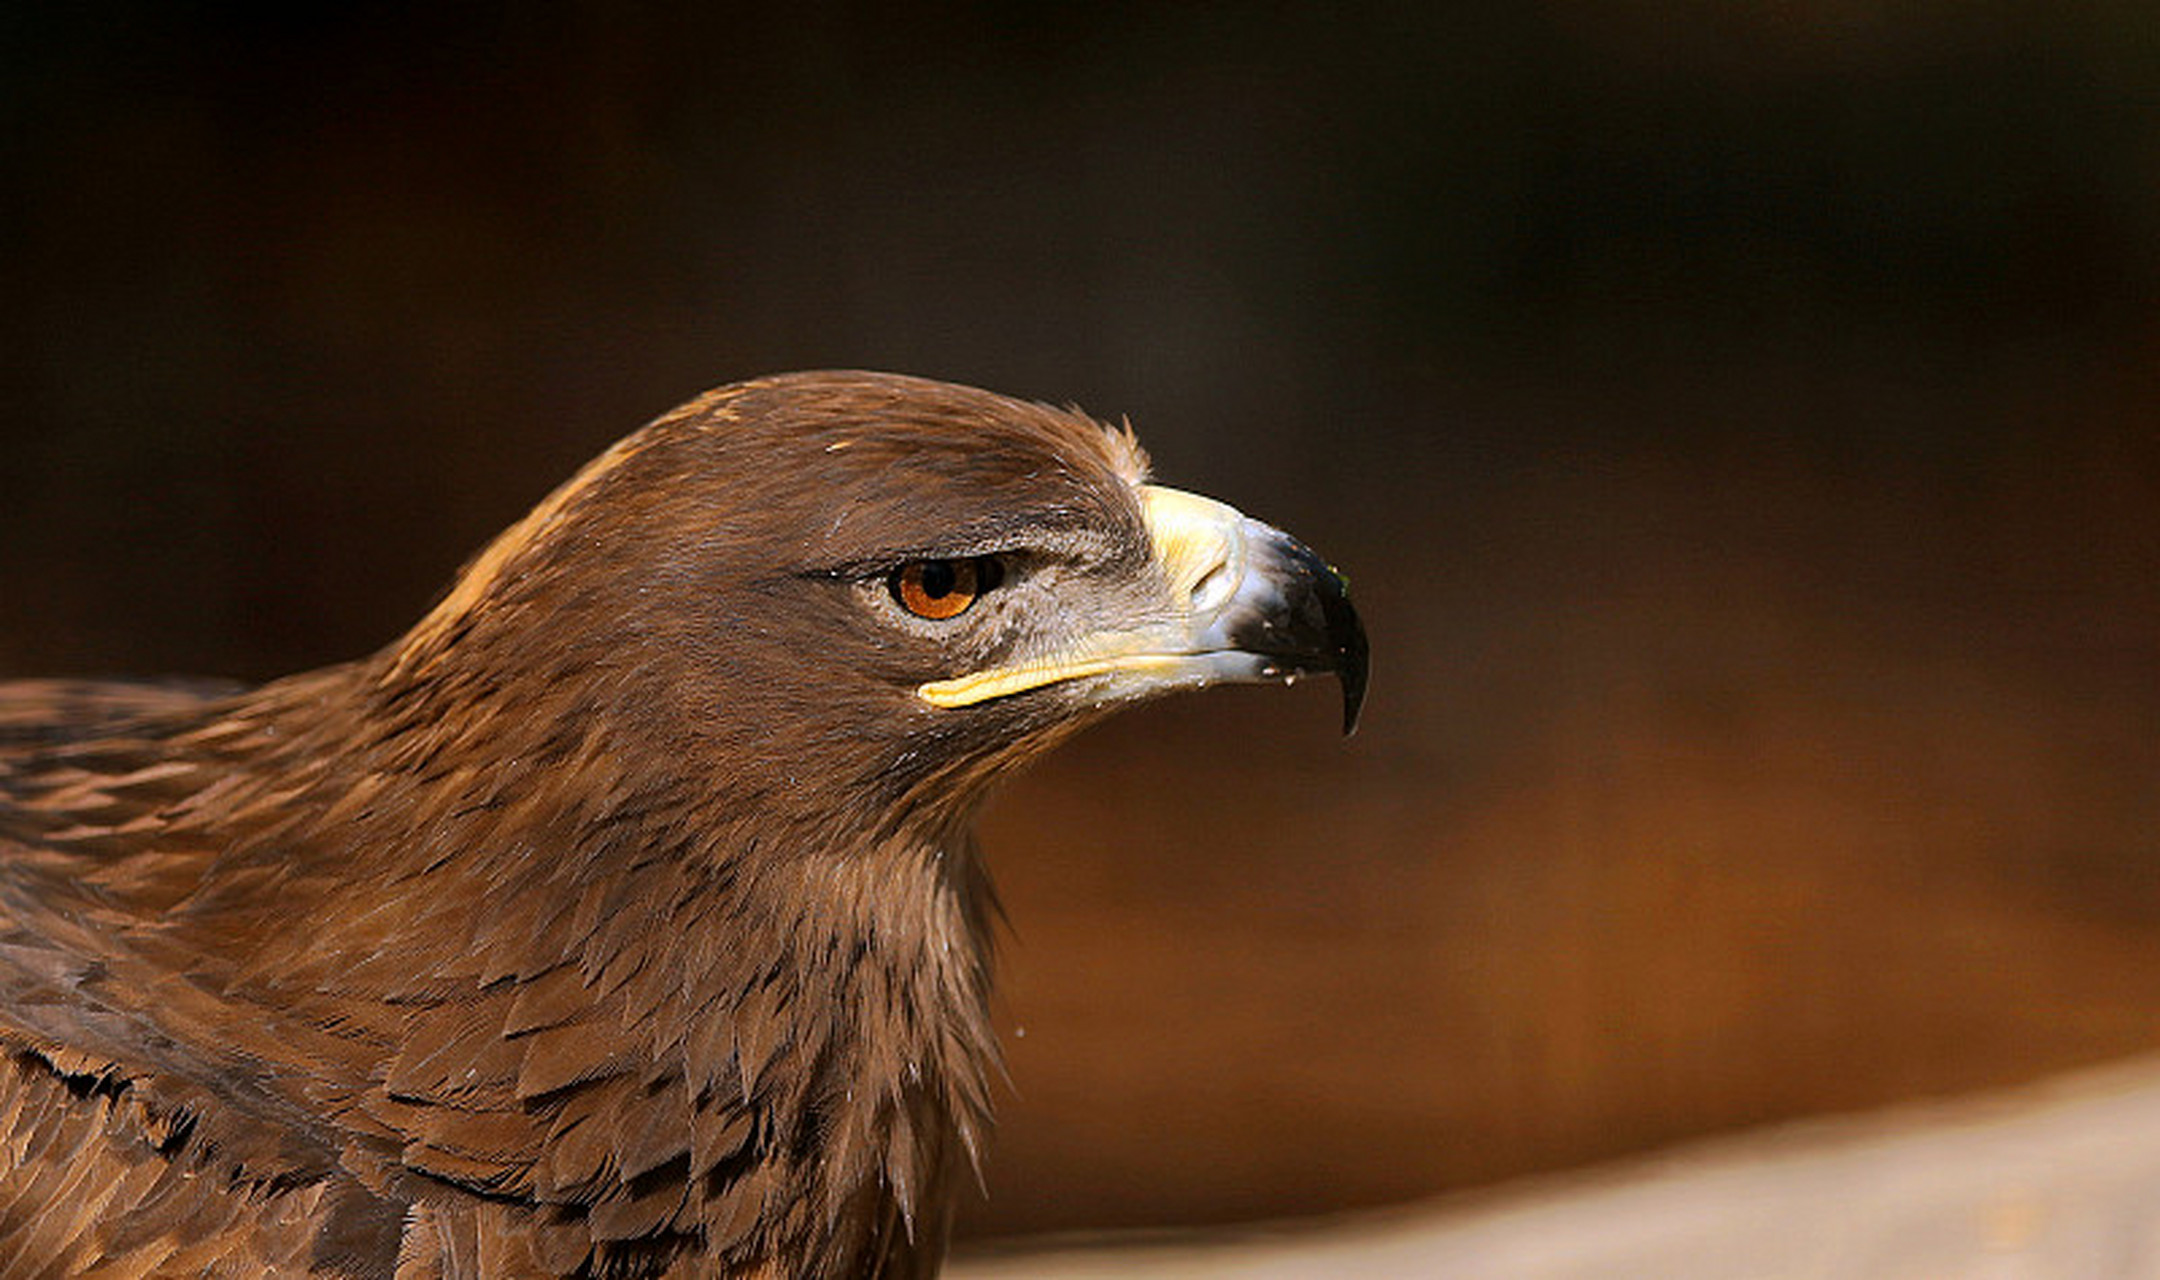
(1740, 427)
(2054, 1182)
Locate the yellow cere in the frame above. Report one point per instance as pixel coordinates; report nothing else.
(1193, 536)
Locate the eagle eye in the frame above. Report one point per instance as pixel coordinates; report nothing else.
(941, 589)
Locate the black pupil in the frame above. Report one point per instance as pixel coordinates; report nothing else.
(939, 577)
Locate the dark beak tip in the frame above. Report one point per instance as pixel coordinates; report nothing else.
(1351, 673)
(1346, 641)
(1317, 629)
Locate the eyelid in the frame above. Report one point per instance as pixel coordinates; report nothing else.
(1080, 546)
(885, 565)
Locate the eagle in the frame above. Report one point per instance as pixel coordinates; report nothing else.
(623, 917)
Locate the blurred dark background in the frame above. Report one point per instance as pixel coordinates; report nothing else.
(1741, 424)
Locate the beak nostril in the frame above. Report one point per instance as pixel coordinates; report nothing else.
(1214, 588)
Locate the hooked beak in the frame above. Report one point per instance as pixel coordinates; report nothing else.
(1245, 603)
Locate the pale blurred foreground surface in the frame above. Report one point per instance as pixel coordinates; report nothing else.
(2059, 1181)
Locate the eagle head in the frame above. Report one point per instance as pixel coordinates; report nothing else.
(914, 585)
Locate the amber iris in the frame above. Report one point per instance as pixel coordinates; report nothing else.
(940, 589)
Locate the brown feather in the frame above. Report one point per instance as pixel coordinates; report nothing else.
(549, 999)
(580, 1144)
(641, 1148)
(558, 1057)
